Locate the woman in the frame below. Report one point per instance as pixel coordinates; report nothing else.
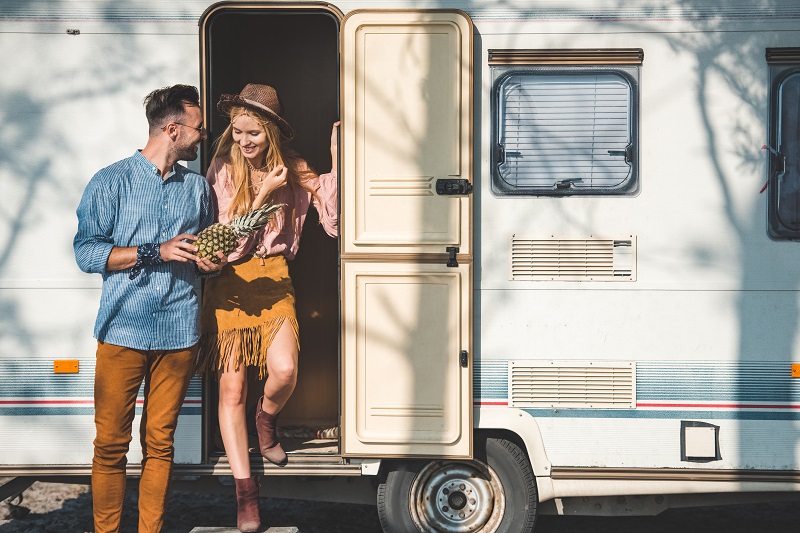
(248, 316)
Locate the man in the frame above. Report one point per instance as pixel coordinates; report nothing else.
(136, 223)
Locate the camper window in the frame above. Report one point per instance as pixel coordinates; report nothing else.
(784, 144)
(565, 130)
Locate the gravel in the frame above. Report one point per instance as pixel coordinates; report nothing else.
(64, 508)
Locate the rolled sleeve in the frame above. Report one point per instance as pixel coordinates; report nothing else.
(93, 242)
(328, 204)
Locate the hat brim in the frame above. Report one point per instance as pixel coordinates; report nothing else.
(229, 101)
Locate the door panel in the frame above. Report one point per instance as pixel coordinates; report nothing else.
(407, 108)
(404, 384)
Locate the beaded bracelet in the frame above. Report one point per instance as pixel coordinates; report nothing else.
(146, 255)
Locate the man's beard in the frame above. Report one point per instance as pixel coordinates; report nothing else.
(187, 153)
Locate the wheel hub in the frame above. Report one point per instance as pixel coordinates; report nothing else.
(455, 497)
(457, 500)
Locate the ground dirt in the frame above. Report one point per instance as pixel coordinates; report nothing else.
(62, 508)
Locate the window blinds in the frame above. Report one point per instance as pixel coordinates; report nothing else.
(569, 131)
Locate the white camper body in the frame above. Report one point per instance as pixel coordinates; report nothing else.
(597, 302)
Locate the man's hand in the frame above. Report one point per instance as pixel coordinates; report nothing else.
(206, 266)
(177, 249)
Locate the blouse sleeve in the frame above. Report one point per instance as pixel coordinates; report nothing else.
(327, 203)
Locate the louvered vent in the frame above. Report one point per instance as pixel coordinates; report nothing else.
(571, 259)
(572, 384)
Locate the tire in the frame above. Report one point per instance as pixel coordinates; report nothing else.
(495, 493)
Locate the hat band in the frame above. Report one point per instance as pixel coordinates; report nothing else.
(260, 105)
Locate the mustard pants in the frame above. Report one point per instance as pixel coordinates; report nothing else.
(118, 375)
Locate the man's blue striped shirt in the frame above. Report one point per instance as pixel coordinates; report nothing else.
(128, 204)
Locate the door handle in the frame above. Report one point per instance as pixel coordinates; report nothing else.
(453, 187)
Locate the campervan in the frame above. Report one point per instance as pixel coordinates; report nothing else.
(567, 273)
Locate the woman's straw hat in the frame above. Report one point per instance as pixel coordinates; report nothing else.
(261, 98)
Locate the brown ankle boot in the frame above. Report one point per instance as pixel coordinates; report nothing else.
(268, 437)
(247, 519)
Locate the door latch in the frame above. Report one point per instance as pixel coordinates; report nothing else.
(463, 358)
(453, 187)
(451, 260)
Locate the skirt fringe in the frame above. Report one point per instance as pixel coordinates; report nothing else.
(235, 348)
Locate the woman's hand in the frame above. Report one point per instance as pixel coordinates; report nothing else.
(275, 179)
(206, 265)
(334, 145)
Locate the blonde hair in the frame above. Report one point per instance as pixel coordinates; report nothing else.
(226, 149)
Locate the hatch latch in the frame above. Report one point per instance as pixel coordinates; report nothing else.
(453, 187)
(451, 259)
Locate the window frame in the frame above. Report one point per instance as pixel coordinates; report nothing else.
(565, 62)
(784, 63)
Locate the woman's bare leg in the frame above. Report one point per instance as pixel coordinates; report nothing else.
(232, 421)
(282, 368)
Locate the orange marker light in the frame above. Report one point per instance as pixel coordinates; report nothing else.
(65, 366)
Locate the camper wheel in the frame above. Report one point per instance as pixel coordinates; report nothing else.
(495, 493)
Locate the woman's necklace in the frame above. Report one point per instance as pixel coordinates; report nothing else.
(254, 169)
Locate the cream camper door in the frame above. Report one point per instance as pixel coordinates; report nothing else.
(407, 109)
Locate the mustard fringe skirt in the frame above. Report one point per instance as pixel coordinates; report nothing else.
(243, 309)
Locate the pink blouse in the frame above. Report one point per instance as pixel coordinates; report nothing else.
(285, 240)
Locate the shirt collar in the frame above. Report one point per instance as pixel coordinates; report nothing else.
(142, 160)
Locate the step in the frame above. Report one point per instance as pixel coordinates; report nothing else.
(281, 529)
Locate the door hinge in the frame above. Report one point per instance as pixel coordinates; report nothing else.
(451, 259)
(463, 358)
(453, 187)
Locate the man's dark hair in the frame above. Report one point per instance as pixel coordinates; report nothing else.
(166, 104)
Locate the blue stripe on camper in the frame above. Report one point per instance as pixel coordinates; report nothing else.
(40, 410)
(31, 388)
(743, 390)
(664, 389)
(690, 381)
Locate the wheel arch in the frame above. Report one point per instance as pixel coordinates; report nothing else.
(522, 429)
(508, 423)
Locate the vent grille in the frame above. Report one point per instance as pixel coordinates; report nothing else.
(590, 259)
(783, 56)
(572, 384)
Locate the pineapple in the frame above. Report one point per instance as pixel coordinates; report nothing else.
(224, 237)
